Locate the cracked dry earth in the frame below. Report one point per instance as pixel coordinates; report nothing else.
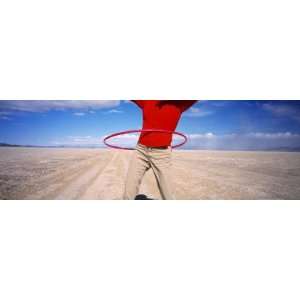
(45, 173)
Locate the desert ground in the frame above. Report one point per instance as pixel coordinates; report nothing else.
(45, 173)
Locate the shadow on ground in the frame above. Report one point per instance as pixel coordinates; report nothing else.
(142, 197)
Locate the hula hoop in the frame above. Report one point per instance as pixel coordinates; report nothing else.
(143, 130)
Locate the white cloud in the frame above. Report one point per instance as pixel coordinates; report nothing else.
(197, 112)
(114, 111)
(211, 141)
(128, 136)
(79, 114)
(283, 110)
(205, 135)
(220, 103)
(44, 106)
(250, 141)
(78, 141)
(204, 141)
(4, 115)
(124, 140)
(273, 135)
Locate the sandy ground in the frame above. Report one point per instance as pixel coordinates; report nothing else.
(40, 173)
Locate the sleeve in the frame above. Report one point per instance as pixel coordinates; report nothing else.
(139, 103)
(186, 104)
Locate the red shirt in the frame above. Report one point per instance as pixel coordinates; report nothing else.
(161, 114)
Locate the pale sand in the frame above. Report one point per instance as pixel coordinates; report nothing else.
(40, 173)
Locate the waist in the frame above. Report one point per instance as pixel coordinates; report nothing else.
(156, 140)
(159, 147)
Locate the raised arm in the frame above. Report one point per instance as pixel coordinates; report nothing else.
(139, 103)
(186, 104)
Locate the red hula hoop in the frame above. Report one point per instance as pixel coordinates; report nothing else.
(143, 130)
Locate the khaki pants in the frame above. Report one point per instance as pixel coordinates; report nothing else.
(143, 159)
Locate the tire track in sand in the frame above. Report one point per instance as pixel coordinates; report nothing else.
(75, 188)
(109, 184)
(50, 186)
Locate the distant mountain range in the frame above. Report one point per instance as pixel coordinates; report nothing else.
(8, 145)
(58, 146)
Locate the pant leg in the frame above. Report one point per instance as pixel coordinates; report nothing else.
(138, 166)
(161, 163)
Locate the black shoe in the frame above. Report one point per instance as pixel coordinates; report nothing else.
(142, 197)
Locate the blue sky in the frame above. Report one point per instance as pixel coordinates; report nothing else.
(252, 125)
